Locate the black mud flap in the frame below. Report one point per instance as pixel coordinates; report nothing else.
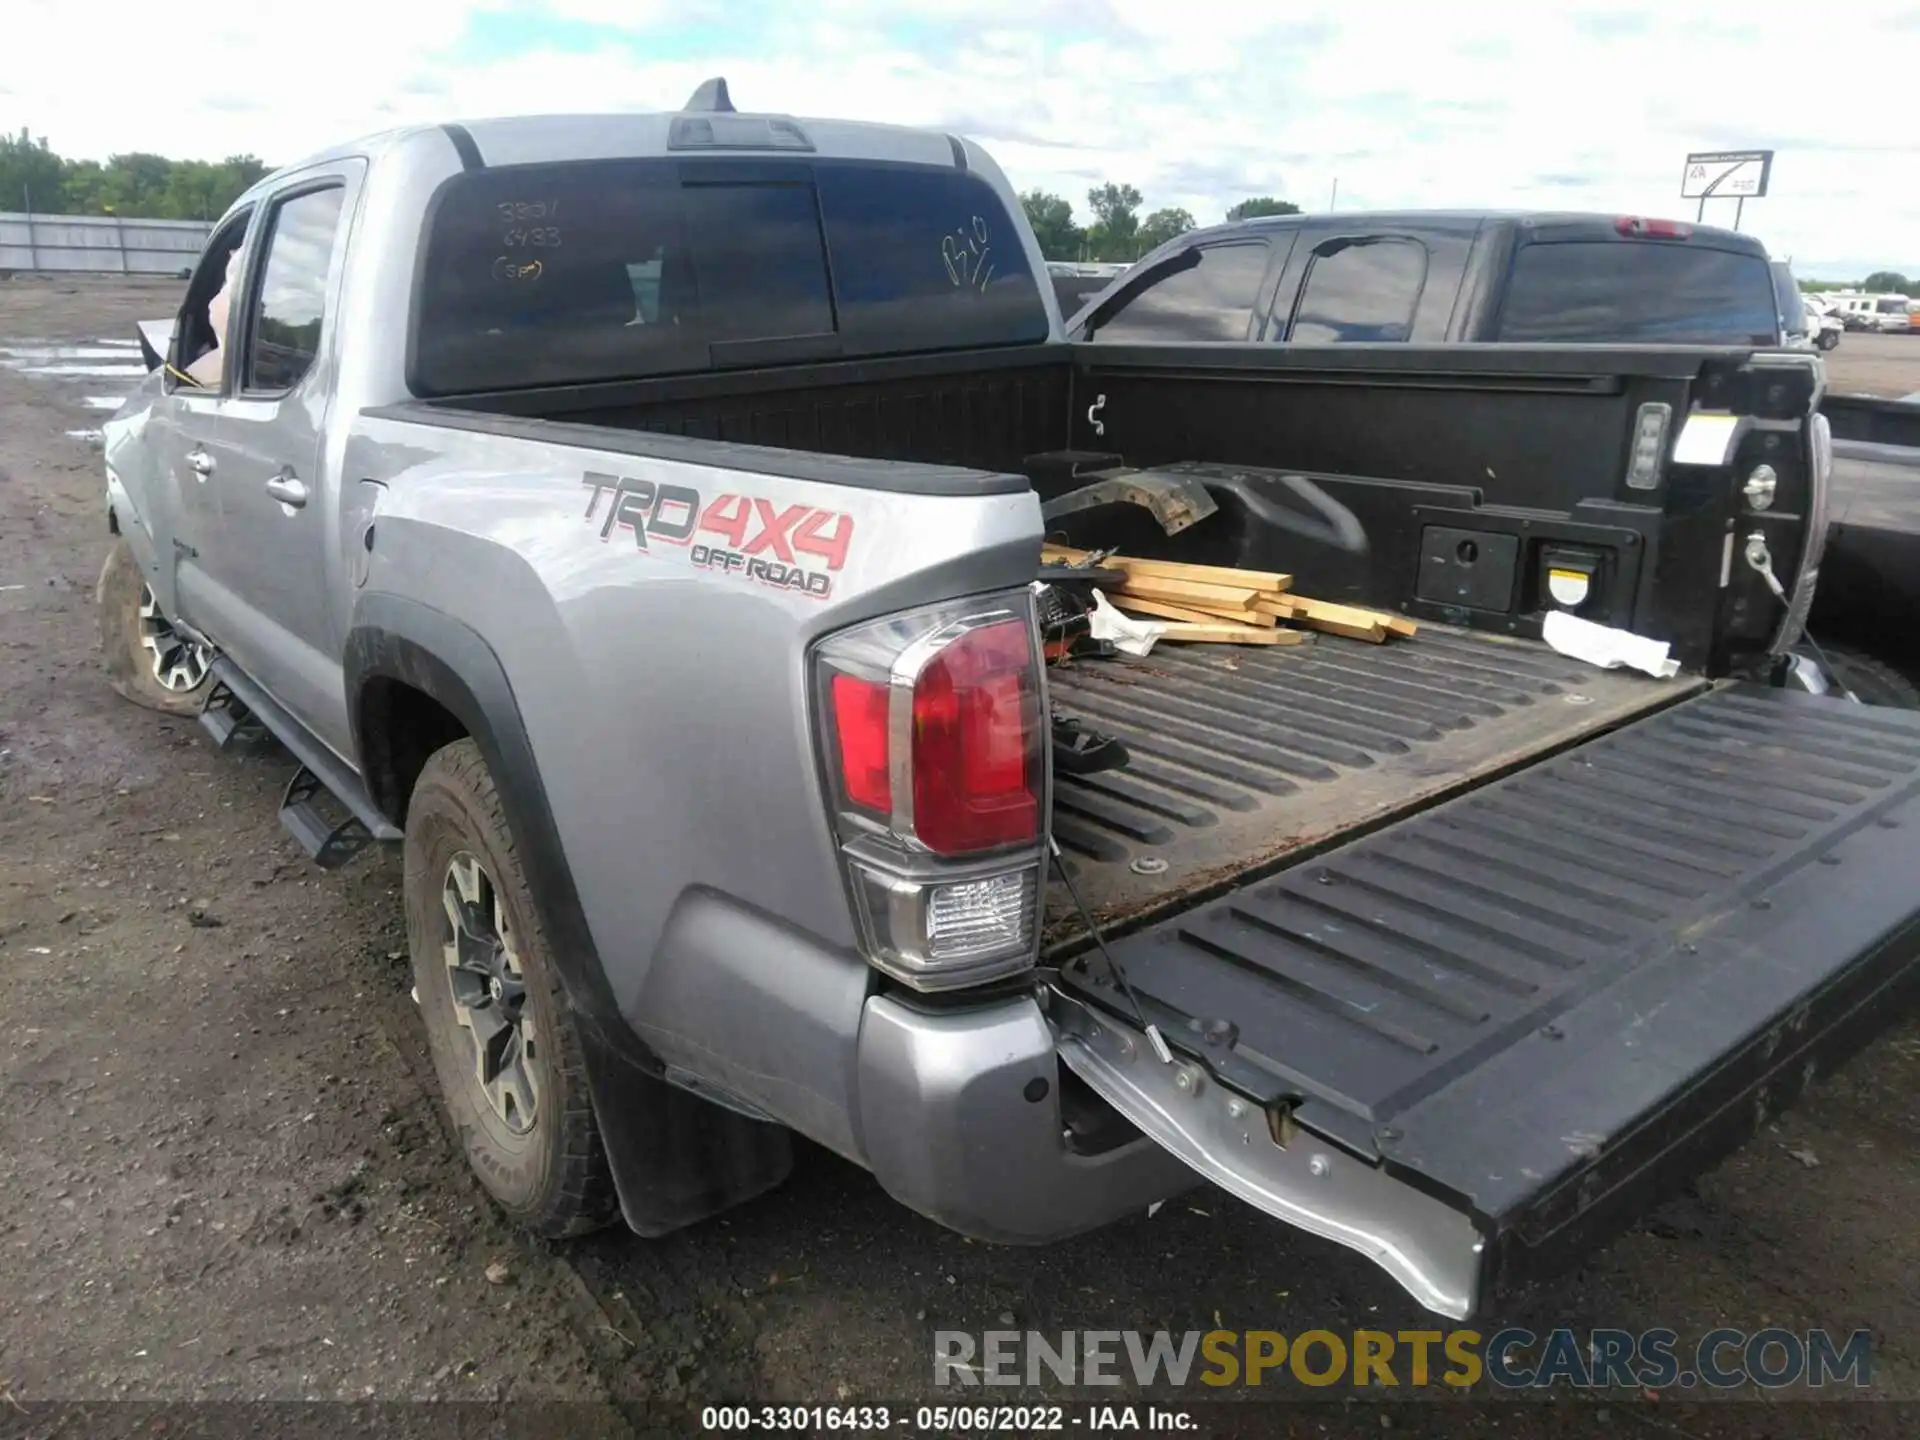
(1481, 1041)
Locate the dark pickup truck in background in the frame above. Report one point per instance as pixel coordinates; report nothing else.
(1444, 277)
(1480, 277)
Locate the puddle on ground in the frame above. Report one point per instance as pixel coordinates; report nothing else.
(99, 360)
(40, 354)
(103, 402)
(91, 372)
(92, 437)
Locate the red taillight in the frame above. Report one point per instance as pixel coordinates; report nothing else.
(976, 743)
(1638, 227)
(860, 730)
(975, 757)
(934, 747)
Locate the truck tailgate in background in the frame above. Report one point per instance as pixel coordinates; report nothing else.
(1491, 1034)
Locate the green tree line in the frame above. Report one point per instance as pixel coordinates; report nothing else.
(1880, 282)
(1117, 230)
(35, 177)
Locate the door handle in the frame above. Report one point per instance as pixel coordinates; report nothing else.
(200, 462)
(288, 489)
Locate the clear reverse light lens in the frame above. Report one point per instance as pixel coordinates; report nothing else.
(980, 917)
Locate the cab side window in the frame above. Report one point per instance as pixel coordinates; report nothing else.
(200, 337)
(290, 304)
(1204, 296)
(1360, 290)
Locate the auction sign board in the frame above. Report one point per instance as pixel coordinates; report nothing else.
(1726, 175)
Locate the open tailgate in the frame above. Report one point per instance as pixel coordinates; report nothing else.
(1479, 1041)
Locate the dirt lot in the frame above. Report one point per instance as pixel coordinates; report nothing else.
(226, 1178)
(1863, 364)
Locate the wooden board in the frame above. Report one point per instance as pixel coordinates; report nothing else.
(1352, 621)
(1201, 614)
(1203, 574)
(1161, 610)
(1231, 635)
(1186, 592)
(1176, 569)
(1216, 595)
(1372, 634)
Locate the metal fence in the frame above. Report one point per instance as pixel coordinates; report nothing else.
(100, 244)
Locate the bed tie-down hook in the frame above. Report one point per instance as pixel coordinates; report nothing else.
(1093, 414)
(1760, 561)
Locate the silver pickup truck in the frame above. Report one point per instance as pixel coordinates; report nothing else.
(637, 519)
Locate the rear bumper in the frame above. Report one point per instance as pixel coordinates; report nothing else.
(961, 1119)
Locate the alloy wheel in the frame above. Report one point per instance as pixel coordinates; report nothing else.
(489, 992)
(179, 664)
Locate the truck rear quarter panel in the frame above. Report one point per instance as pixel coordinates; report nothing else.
(653, 619)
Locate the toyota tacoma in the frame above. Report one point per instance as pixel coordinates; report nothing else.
(636, 519)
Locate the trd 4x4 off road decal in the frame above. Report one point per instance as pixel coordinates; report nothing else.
(768, 544)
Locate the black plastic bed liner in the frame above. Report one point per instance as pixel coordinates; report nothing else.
(1546, 1001)
(1243, 756)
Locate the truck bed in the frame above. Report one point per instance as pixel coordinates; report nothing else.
(1245, 758)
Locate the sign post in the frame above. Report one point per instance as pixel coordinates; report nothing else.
(1722, 174)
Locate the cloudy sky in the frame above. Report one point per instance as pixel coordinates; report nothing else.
(1197, 102)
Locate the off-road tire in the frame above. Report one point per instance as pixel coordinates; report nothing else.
(1873, 681)
(553, 1179)
(1828, 339)
(128, 662)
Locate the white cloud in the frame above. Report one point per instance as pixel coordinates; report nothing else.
(1198, 102)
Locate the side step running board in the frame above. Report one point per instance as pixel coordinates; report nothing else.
(228, 720)
(237, 709)
(329, 842)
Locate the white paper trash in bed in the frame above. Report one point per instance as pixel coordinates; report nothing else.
(1607, 647)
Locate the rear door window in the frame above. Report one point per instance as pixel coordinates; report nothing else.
(1360, 291)
(1646, 292)
(291, 305)
(600, 270)
(1205, 295)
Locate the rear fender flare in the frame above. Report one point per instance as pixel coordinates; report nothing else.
(403, 640)
(675, 1158)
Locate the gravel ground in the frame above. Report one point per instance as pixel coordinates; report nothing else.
(1863, 364)
(227, 1178)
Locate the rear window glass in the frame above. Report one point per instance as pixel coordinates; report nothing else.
(555, 274)
(1203, 295)
(925, 259)
(1360, 292)
(1643, 292)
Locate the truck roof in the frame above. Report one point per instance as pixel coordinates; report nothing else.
(703, 128)
(1563, 224)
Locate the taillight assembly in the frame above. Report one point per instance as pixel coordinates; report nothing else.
(933, 726)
